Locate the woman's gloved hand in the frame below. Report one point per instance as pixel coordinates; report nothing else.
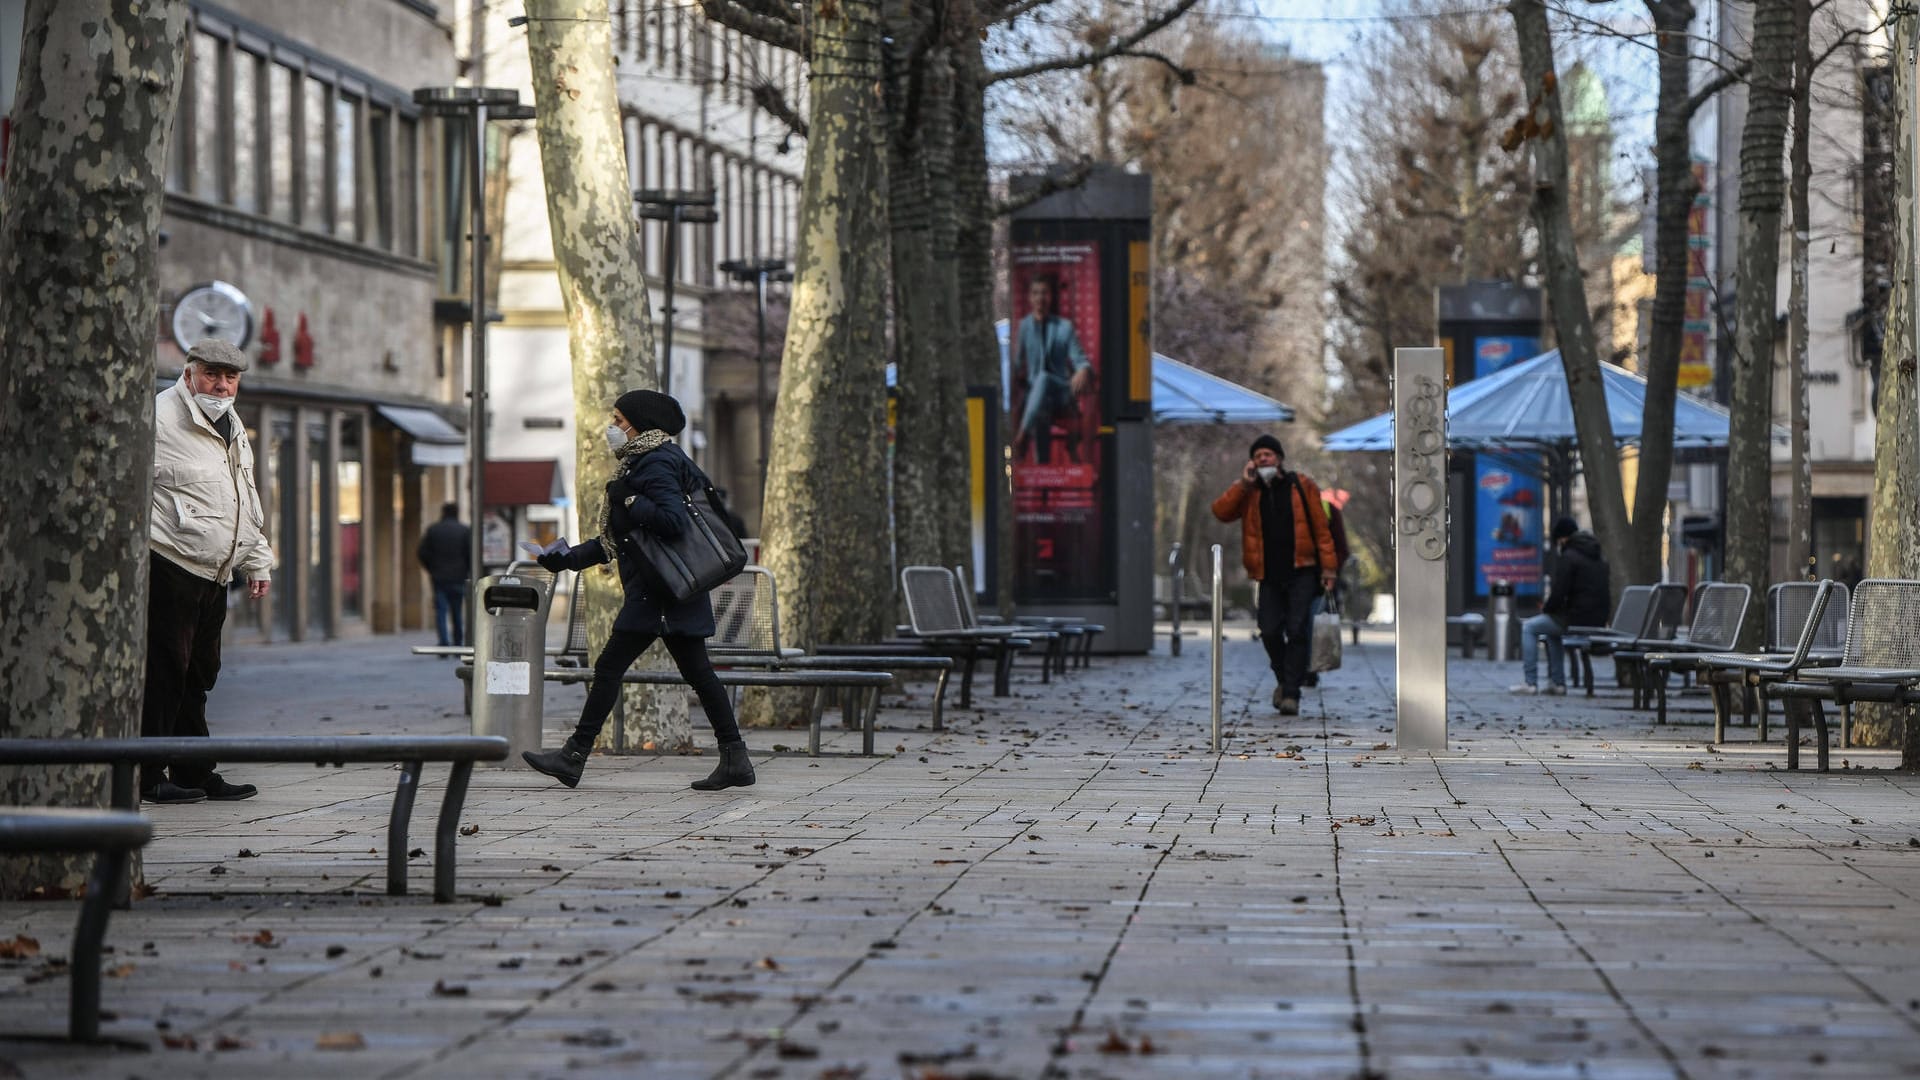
(552, 561)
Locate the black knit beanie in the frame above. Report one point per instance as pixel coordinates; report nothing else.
(1564, 527)
(650, 409)
(1270, 443)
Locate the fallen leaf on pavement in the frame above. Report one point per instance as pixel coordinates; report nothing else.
(469, 830)
(19, 948)
(229, 1042)
(340, 1040)
(767, 963)
(118, 971)
(442, 988)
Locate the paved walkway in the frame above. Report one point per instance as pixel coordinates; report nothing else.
(1064, 884)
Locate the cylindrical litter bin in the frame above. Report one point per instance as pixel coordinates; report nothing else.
(509, 657)
(1500, 626)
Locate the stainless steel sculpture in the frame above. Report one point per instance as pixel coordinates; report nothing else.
(1420, 548)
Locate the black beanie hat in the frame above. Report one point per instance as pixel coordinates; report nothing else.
(1564, 527)
(650, 409)
(1270, 443)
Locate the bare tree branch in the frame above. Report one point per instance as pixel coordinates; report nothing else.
(768, 97)
(1186, 75)
(1091, 57)
(1726, 78)
(1052, 184)
(760, 21)
(1015, 9)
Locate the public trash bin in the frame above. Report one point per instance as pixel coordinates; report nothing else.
(509, 657)
(1503, 635)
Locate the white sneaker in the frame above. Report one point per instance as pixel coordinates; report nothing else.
(1556, 690)
(1525, 689)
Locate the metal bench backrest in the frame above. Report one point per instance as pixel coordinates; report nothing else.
(1883, 627)
(1813, 621)
(1790, 604)
(1666, 607)
(933, 600)
(1631, 613)
(576, 643)
(1718, 612)
(963, 592)
(746, 614)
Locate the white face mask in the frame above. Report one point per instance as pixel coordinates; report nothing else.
(615, 437)
(1268, 472)
(214, 407)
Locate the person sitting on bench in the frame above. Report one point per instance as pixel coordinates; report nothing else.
(1577, 595)
(647, 492)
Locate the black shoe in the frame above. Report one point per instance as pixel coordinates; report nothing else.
(166, 791)
(735, 769)
(565, 764)
(1289, 706)
(1312, 679)
(220, 791)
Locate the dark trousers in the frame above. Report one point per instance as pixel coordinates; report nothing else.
(689, 655)
(185, 613)
(1286, 625)
(450, 606)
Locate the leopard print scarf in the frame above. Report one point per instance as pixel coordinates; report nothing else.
(642, 443)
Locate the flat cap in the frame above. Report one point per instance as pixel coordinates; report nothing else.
(217, 353)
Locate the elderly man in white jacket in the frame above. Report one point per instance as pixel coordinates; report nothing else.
(206, 527)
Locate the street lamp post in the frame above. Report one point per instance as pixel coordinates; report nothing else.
(760, 271)
(673, 207)
(477, 104)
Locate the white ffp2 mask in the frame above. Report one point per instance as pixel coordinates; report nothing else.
(615, 437)
(1267, 472)
(214, 407)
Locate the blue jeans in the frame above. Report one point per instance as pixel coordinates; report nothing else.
(1531, 632)
(450, 605)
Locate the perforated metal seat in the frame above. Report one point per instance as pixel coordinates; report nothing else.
(1880, 663)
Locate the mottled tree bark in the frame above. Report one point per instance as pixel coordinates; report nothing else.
(1676, 190)
(596, 248)
(930, 438)
(1545, 127)
(98, 84)
(1800, 496)
(826, 523)
(1893, 546)
(1749, 513)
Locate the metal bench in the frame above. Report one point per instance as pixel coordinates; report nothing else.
(124, 756)
(746, 616)
(1072, 630)
(1719, 611)
(1806, 624)
(112, 836)
(938, 624)
(871, 681)
(1660, 609)
(1881, 663)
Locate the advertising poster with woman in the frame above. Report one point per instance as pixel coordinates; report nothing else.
(1054, 409)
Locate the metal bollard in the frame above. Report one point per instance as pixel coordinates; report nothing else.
(1179, 576)
(1218, 637)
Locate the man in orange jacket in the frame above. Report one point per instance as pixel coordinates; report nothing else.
(1288, 548)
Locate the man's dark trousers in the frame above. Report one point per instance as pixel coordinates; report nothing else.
(185, 614)
(1286, 625)
(450, 607)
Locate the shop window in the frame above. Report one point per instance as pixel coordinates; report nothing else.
(348, 496)
(320, 562)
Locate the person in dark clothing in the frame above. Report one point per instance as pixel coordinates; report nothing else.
(648, 492)
(1288, 548)
(1578, 595)
(446, 553)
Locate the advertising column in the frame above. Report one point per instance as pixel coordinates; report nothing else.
(1079, 406)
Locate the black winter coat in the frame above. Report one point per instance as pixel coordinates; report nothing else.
(1580, 595)
(445, 552)
(649, 493)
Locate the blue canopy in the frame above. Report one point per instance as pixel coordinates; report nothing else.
(1183, 394)
(1527, 407)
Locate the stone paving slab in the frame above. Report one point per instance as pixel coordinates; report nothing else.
(1067, 883)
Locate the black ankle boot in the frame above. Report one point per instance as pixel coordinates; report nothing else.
(735, 768)
(565, 764)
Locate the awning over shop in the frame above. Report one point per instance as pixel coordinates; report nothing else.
(524, 483)
(435, 442)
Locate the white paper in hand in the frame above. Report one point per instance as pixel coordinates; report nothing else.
(558, 547)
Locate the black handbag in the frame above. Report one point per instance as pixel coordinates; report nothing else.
(700, 559)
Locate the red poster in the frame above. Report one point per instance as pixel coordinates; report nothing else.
(1054, 379)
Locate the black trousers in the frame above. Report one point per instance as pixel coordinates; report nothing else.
(689, 655)
(1286, 624)
(185, 614)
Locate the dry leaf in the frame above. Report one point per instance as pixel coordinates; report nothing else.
(767, 963)
(443, 988)
(118, 971)
(19, 948)
(340, 1040)
(229, 1042)
(179, 1042)
(469, 830)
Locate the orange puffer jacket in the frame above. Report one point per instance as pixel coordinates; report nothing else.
(1312, 539)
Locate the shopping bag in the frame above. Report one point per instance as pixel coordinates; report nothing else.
(1326, 638)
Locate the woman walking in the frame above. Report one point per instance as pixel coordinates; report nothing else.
(648, 493)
